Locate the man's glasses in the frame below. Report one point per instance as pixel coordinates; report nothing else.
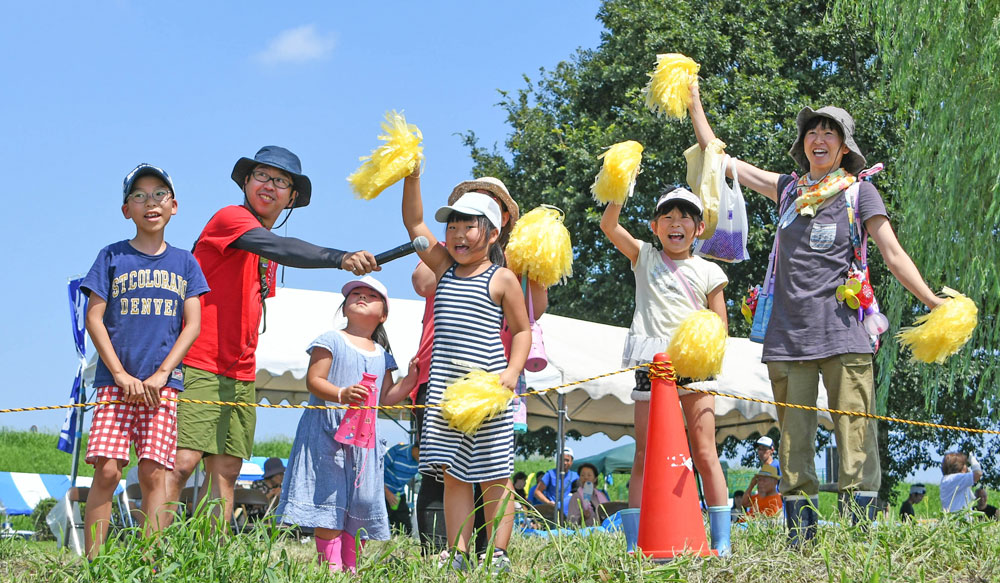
(140, 197)
(279, 182)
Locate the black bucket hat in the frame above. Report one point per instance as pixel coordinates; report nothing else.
(854, 161)
(272, 466)
(281, 159)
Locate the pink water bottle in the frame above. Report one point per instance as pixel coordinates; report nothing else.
(358, 426)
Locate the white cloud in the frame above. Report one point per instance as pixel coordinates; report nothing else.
(297, 45)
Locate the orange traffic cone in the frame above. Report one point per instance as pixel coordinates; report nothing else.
(670, 521)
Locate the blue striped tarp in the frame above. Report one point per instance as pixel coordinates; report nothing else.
(20, 492)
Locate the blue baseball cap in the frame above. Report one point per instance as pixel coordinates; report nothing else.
(145, 170)
(282, 159)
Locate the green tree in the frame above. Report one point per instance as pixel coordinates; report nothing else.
(542, 441)
(761, 61)
(940, 64)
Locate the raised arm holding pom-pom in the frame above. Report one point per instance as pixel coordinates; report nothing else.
(472, 296)
(672, 285)
(811, 332)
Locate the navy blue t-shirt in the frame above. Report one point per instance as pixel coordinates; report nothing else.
(145, 311)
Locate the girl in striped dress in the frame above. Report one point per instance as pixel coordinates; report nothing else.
(473, 296)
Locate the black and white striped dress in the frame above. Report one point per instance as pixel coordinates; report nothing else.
(466, 337)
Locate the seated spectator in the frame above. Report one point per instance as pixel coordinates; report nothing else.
(960, 473)
(270, 486)
(548, 493)
(270, 482)
(401, 463)
(736, 512)
(585, 503)
(767, 501)
(519, 481)
(917, 492)
(533, 490)
(988, 510)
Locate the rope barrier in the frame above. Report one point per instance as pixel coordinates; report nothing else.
(661, 370)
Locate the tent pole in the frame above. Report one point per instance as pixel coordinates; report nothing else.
(560, 474)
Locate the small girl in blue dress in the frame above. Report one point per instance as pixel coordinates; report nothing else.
(335, 488)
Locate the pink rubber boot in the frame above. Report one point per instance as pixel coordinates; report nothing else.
(349, 551)
(330, 553)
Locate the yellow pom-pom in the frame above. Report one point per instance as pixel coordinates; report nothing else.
(473, 399)
(698, 345)
(540, 246)
(391, 162)
(668, 89)
(943, 332)
(616, 180)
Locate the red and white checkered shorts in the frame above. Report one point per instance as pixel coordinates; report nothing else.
(115, 427)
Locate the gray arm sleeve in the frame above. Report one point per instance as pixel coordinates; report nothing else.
(288, 250)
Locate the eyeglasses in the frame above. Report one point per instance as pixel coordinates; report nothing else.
(279, 182)
(139, 196)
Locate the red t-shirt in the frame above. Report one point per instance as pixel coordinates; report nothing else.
(231, 312)
(424, 350)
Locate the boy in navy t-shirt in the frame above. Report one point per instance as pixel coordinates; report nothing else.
(143, 316)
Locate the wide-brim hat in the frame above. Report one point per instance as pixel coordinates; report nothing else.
(473, 204)
(282, 159)
(854, 161)
(493, 185)
(768, 471)
(367, 281)
(272, 467)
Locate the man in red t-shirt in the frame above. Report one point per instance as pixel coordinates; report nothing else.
(239, 256)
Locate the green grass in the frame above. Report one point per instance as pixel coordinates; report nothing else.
(954, 550)
(44, 458)
(931, 549)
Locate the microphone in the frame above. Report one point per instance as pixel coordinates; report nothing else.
(419, 244)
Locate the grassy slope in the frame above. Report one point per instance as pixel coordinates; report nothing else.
(949, 550)
(22, 451)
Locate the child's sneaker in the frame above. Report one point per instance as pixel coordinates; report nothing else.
(457, 561)
(499, 562)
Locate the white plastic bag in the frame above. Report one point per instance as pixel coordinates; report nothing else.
(729, 242)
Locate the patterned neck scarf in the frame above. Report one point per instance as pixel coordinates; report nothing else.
(811, 196)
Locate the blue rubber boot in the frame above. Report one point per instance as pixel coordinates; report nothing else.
(630, 524)
(719, 523)
(864, 510)
(801, 519)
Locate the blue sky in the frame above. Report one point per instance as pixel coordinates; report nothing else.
(93, 88)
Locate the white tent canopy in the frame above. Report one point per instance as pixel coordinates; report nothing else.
(580, 350)
(576, 349)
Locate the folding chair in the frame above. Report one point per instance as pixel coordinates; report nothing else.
(131, 499)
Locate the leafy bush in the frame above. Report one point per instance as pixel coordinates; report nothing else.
(41, 528)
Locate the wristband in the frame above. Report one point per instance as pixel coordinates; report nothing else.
(974, 463)
(340, 393)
